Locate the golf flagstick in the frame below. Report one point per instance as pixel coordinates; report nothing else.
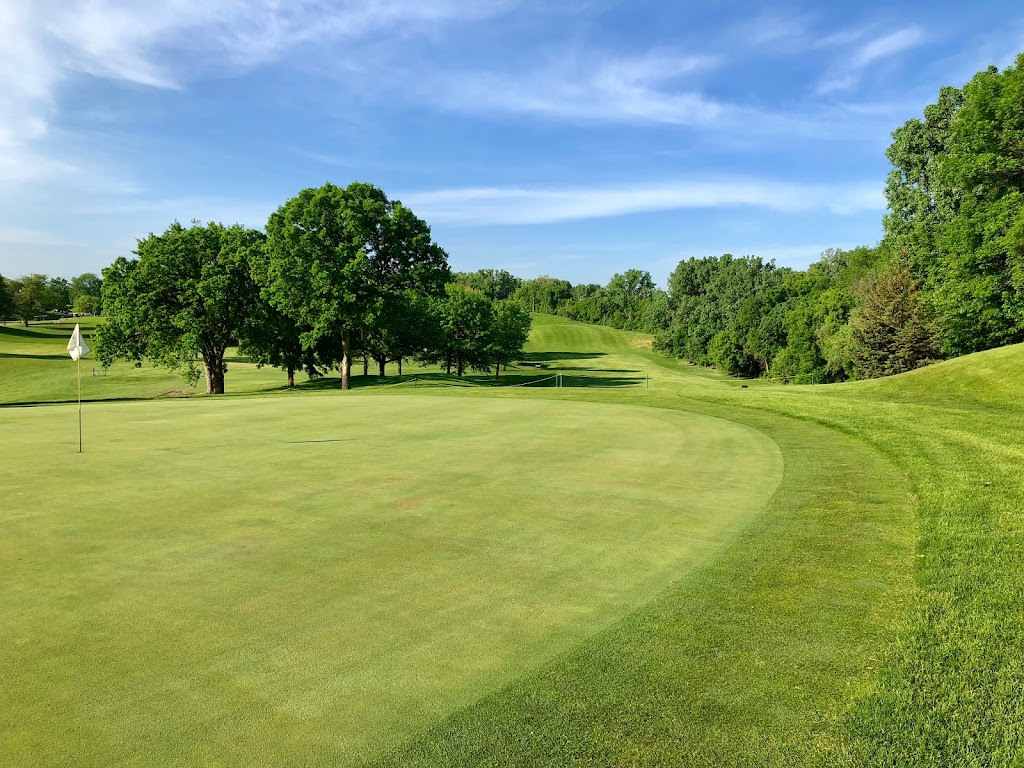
(77, 348)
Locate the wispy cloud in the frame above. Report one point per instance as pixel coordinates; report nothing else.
(774, 31)
(481, 206)
(165, 45)
(651, 88)
(848, 72)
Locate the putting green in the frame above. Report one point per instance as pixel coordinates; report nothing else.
(314, 579)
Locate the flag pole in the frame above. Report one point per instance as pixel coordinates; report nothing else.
(77, 348)
(79, 404)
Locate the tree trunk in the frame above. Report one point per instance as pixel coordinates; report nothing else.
(448, 366)
(382, 363)
(399, 366)
(497, 369)
(291, 377)
(366, 364)
(213, 364)
(346, 359)
(461, 366)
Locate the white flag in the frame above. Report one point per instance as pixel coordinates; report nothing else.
(77, 347)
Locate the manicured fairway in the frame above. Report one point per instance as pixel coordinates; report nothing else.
(314, 580)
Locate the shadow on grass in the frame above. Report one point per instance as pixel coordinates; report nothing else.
(21, 332)
(16, 356)
(426, 381)
(548, 357)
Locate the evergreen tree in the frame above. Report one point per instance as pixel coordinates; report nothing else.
(891, 330)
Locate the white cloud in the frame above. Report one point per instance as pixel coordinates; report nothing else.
(643, 89)
(848, 73)
(478, 206)
(164, 45)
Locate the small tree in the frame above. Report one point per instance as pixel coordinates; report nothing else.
(891, 330)
(509, 333)
(188, 294)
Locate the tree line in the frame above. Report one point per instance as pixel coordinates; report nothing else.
(31, 296)
(338, 274)
(946, 279)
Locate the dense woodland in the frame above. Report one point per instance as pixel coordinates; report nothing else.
(346, 273)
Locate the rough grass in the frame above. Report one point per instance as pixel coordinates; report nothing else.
(871, 614)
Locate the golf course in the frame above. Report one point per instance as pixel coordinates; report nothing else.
(651, 564)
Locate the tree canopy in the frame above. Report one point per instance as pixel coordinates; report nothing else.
(335, 254)
(188, 293)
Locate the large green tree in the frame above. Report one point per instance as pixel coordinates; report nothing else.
(30, 296)
(187, 294)
(977, 295)
(956, 200)
(334, 255)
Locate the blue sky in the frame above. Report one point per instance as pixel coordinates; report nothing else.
(575, 138)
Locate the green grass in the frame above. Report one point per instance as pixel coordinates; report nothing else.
(593, 575)
(324, 575)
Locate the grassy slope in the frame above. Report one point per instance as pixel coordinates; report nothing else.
(938, 685)
(871, 616)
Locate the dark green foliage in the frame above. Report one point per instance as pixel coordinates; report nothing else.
(187, 294)
(6, 299)
(708, 295)
(464, 320)
(630, 301)
(402, 329)
(750, 318)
